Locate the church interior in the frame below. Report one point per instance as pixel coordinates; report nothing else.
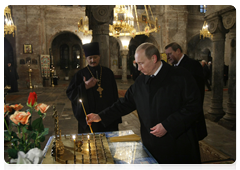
(45, 46)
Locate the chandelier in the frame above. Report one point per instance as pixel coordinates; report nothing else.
(83, 26)
(204, 32)
(126, 22)
(9, 26)
(85, 33)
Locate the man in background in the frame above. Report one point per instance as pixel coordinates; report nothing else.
(95, 85)
(206, 74)
(11, 77)
(176, 57)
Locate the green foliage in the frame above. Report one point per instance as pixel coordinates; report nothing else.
(12, 153)
(37, 125)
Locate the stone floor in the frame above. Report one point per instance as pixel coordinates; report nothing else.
(220, 138)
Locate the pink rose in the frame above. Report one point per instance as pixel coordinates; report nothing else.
(16, 107)
(42, 107)
(20, 117)
(7, 108)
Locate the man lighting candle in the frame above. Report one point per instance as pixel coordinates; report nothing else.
(168, 101)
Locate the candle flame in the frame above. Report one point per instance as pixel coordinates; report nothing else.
(80, 100)
(73, 137)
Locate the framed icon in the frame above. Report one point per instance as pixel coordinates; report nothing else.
(27, 49)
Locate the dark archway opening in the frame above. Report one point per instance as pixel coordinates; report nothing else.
(67, 54)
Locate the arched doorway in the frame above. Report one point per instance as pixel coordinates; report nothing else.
(199, 49)
(8, 53)
(115, 56)
(136, 41)
(67, 54)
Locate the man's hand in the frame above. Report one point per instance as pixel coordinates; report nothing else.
(92, 117)
(90, 83)
(158, 130)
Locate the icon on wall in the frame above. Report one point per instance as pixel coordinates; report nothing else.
(27, 49)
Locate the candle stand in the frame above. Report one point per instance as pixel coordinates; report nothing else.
(52, 72)
(30, 78)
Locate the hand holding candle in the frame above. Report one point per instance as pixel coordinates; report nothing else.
(86, 115)
(92, 117)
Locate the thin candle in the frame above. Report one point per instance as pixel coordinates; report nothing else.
(74, 144)
(85, 114)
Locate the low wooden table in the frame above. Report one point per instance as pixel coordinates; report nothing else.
(116, 152)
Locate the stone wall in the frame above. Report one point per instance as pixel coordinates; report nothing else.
(38, 26)
(174, 25)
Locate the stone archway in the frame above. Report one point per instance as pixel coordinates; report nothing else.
(206, 55)
(139, 39)
(199, 49)
(8, 53)
(70, 41)
(115, 56)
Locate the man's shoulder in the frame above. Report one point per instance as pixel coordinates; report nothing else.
(106, 69)
(190, 62)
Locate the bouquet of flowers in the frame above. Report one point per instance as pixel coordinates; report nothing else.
(29, 133)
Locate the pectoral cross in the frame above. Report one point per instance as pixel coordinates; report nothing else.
(100, 89)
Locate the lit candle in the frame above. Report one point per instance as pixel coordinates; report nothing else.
(88, 138)
(74, 143)
(86, 114)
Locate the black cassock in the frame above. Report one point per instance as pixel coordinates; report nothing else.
(171, 98)
(11, 76)
(91, 98)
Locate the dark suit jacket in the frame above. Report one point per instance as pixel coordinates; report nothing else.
(170, 98)
(196, 70)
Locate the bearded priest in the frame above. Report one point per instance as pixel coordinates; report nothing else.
(95, 85)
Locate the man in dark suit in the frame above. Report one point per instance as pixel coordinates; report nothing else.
(206, 73)
(176, 57)
(167, 104)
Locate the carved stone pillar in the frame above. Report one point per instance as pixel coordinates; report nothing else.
(229, 119)
(100, 16)
(216, 28)
(124, 54)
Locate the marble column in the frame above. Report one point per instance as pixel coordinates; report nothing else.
(229, 119)
(101, 35)
(124, 54)
(216, 28)
(100, 16)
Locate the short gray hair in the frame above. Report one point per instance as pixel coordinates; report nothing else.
(150, 50)
(174, 46)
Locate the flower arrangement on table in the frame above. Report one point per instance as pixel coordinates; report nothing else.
(30, 133)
